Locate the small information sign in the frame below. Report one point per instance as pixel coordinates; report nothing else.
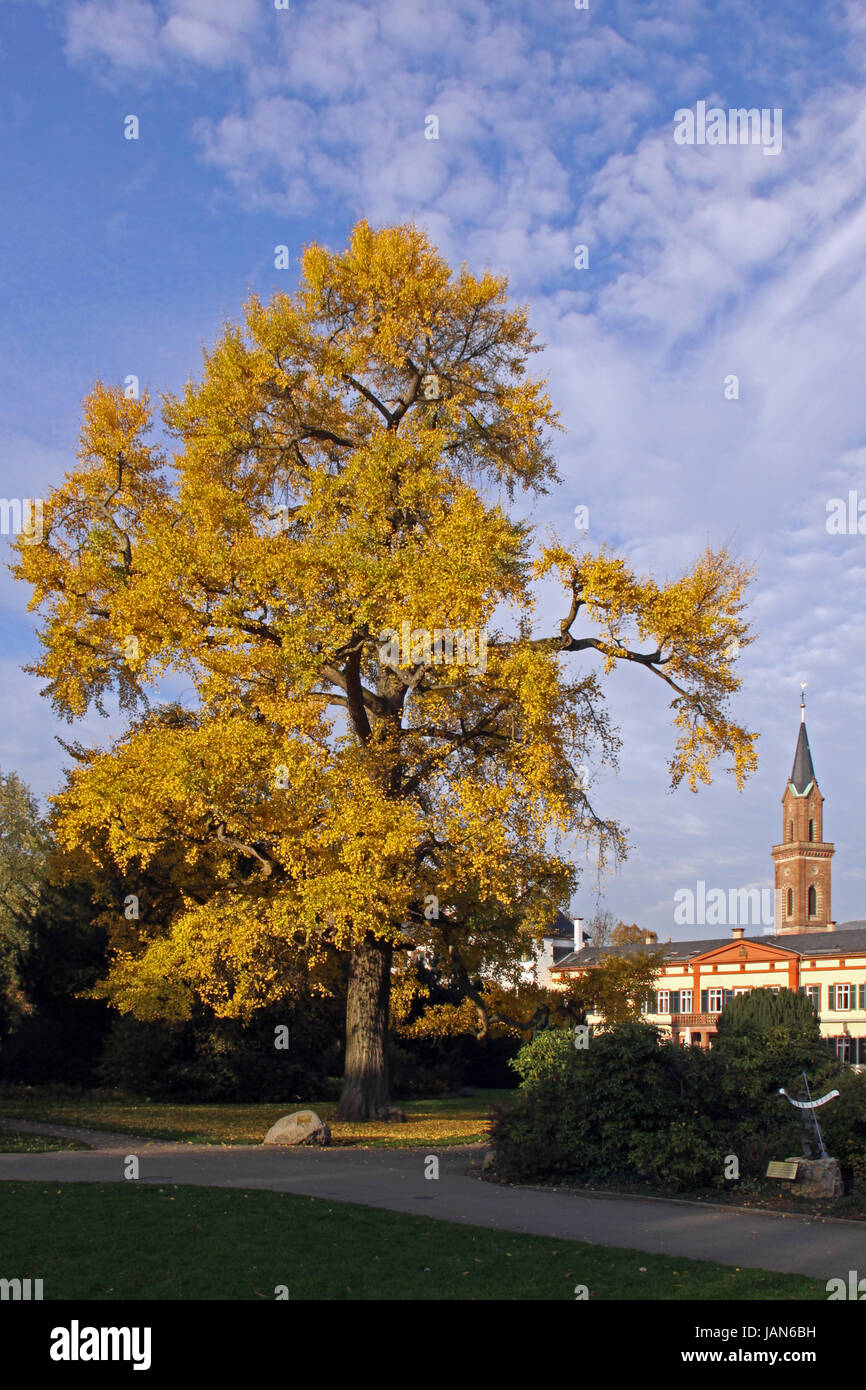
(783, 1170)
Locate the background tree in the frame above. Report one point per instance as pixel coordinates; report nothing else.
(24, 846)
(620, 987)
(786, 1023)
(599, 928)
(332, 796)
(486, 1009)
(623, 935)
(766, 1041)
(60, 1037)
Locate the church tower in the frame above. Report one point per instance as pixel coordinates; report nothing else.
(802, 861)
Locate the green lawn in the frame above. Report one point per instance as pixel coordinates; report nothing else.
(448, 1121)
(112, 1241)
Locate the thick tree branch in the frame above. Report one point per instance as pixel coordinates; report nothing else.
(248, 850)
(355, 698)
(373, 702)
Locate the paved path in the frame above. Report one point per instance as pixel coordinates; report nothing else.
(394, 1179)
(94, 1138)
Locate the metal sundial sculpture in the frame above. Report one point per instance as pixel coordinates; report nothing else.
(812, 1132)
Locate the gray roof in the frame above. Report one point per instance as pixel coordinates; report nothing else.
(803, 772)
(847, 939)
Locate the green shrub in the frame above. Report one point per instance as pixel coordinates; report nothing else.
(212, 1060)
(633, 1107)
(625, 1108)
(141, 1057)
(550, 1054)
(843, 1125)
(766, 1041)
(417, 1071)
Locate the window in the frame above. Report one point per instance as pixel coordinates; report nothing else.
(790, 902)
(843, 998)
(813, 993)
(790, 834)
(675, 1001)
(862, 1001)
(812, 900)
(714, 1001)
(664, 1001)
(747, 989)
(811, 830)
(843, 1048)
(686, 1001)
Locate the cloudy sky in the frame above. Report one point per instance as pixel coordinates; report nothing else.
(261, 126)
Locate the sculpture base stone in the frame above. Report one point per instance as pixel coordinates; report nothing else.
(818, 1177)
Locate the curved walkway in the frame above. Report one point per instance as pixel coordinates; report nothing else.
(102, 1139)
(395, 1179)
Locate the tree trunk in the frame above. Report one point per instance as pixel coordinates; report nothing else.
(365, 1093)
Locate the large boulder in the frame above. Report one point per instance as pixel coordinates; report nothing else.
(301, 1127)
(818, 1177)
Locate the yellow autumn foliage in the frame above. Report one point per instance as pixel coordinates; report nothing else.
(330, 480)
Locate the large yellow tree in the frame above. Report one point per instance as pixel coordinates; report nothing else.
(381, 747)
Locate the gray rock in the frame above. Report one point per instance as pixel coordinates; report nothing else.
(301, 1127)
(818, 1177)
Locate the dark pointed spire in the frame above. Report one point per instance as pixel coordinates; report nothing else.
(803, 772)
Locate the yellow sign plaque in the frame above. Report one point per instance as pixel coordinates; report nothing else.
(783, 1170)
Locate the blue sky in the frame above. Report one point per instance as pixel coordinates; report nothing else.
(261, 126)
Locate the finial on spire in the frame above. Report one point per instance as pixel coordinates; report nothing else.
(803, 702)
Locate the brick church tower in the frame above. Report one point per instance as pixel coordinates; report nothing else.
(802, 861)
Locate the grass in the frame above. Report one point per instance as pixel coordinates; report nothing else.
(440, 1123)
(117, 1242)
(14, 1142)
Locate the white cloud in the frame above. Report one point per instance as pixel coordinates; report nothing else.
(124, 32)
(134, 35)
(210, 32)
